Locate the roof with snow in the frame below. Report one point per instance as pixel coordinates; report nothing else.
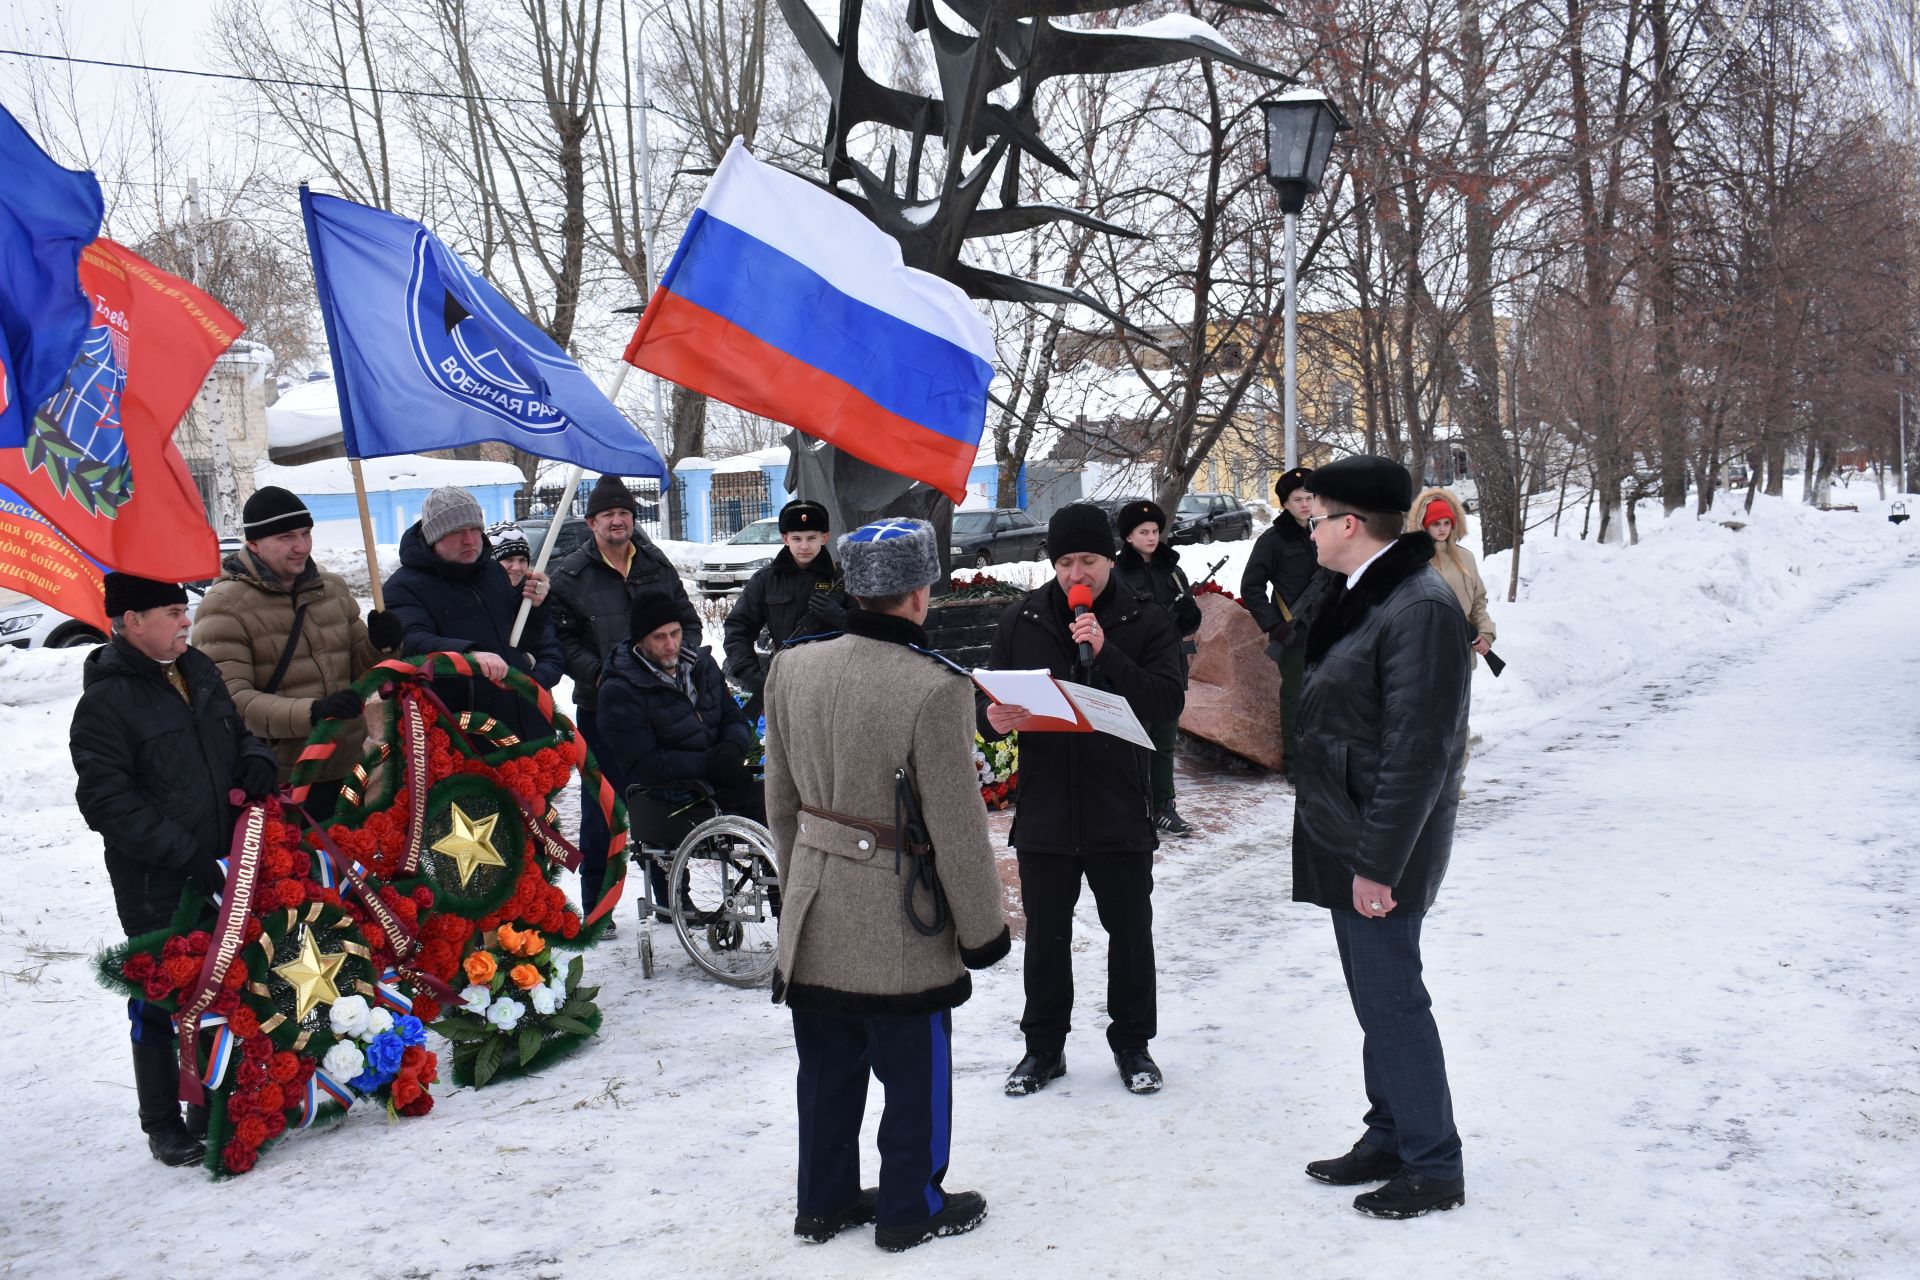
(406, 471)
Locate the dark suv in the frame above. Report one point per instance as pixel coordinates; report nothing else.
(982, 538)
(572, 533)
(1211, 517)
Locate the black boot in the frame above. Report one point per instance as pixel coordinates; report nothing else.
(156, 1081)
(964, 1212)
(1361, 1165)
(819, 1230)
(1138, 1070)
(1409, 1196)
(197, 1121)
(1033, 1072)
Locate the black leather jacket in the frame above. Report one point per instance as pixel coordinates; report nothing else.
(1383, 732)
(786, 600)
(1284, 567)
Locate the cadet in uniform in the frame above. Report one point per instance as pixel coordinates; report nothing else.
(799, 594)
(870, 989)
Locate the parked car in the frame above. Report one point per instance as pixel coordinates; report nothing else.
(981, 538)
(729, 564)
(1210, 517)
(25, 623)
(572, 533)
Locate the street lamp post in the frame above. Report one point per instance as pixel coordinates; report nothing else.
(1300, 128)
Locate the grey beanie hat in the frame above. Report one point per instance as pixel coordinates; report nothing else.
(449, 509)
(889, 558)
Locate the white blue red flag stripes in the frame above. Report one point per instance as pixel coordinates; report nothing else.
(784, 301)
(428, 355)
(47, 216)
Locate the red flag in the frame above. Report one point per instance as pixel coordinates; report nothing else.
(36, 561)
(99, 460)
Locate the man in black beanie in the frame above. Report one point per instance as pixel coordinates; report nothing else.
(288, 639)
(1282, 582)
(1085, 807)
(157, 746)
(1383, 730)
(593, 588)
(799, 594)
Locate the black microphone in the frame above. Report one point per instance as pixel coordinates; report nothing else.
(1080, 599)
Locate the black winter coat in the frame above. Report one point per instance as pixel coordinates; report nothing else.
(1162, 581)
(1285, 566)
(590, 604)
(649, 729)
(471, 607)
(1087, 793)
(154, 772)
(786, 600)
(1383, 734)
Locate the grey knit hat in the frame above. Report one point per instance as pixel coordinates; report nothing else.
(449, 509)
(889, 558)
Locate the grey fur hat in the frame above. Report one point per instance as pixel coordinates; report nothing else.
(449, 509)
(889, 557)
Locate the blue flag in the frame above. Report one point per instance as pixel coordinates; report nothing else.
(427, 355)
(47, 216)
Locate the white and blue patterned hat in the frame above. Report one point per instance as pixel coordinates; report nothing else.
(889, 557)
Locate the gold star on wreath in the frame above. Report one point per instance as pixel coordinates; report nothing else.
(470, 844)
(310, 974)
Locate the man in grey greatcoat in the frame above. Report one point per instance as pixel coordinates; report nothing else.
(872, 990)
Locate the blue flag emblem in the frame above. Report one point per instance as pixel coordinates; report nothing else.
(428, 355)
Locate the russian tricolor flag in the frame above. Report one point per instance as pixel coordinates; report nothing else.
(784, 301)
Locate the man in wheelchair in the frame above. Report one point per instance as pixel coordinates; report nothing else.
(671, 728)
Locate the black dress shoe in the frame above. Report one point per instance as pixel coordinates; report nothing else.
(818, 1230)
(1138, 1071)
(964, 1212)
(1033, 1072)
(1409, 1196)
(173, 1146)
(1362, 1164)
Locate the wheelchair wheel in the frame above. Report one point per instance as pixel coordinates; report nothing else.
(646, 953)
(724, 884)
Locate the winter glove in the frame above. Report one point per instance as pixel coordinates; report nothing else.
(727, 766)
(825, 614)
(207, 876)
(343, 704)
(385, 631)
(256, 776)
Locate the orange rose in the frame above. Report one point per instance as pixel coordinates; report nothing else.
(509, 938)
(531, 943)
(525, 977)
(480, 967)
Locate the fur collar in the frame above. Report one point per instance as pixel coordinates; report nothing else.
(1164, 557)
(1343, 610)
(821, 568)
(887, 627)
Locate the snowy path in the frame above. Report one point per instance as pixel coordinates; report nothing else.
(1675, 966)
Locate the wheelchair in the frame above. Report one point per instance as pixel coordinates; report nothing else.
(722, 887)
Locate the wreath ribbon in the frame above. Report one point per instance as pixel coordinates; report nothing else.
(229, 937)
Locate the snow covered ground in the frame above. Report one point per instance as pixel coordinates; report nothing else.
(1674, 964)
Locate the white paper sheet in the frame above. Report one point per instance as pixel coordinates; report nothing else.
(1034, 690)
(1107, 713)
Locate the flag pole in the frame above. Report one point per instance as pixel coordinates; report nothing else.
(366, 533)
(567, 488)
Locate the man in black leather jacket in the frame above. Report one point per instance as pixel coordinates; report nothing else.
(1383, 726)
(158, 748)
(799, 594)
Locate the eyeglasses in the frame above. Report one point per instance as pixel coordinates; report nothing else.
(1313, 522)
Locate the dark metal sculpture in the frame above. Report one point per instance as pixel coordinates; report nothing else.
(1013, 41)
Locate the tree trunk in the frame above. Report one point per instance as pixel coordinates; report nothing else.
(1670, 410)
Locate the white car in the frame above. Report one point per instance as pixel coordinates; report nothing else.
(25, 623)
(729, 564)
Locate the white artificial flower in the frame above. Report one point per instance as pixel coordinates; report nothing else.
(558, 985)
(348, 1017)
(476, 998)
(377, 1021)
(344, 1061)
(543, 1002)
(506, 1013)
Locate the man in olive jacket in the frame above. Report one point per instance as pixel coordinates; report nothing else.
(1086, 799)
(870, 990)
(1383, 727)
(284, 680)
(157, 750)
(593, 590)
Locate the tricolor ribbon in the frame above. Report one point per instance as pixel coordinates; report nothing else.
(229, 937)
(219, 1055)
(318, 1083)
(387, 991)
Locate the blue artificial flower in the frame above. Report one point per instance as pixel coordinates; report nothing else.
(385, 1052)
(410, 1030)
(365, 1082)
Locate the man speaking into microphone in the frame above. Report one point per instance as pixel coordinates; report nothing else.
(1086, 799)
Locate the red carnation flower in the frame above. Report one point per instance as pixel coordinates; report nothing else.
(251, 1076)
(418, 1107)
(289, 893)
(199, 941)
(254, 929)
(180, 970)
(425, 1009)
(173, 946)
(157, 987)
(236, 977)
(276, 1124)
(226, 1004)
(283, 1067)
(259, 1049)
(252, 1131)
(139, 966)
(238, 1156)
(244, 1023)
(270, 1098)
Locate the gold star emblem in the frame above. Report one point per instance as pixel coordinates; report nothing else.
(470, 844)
(310, 974)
